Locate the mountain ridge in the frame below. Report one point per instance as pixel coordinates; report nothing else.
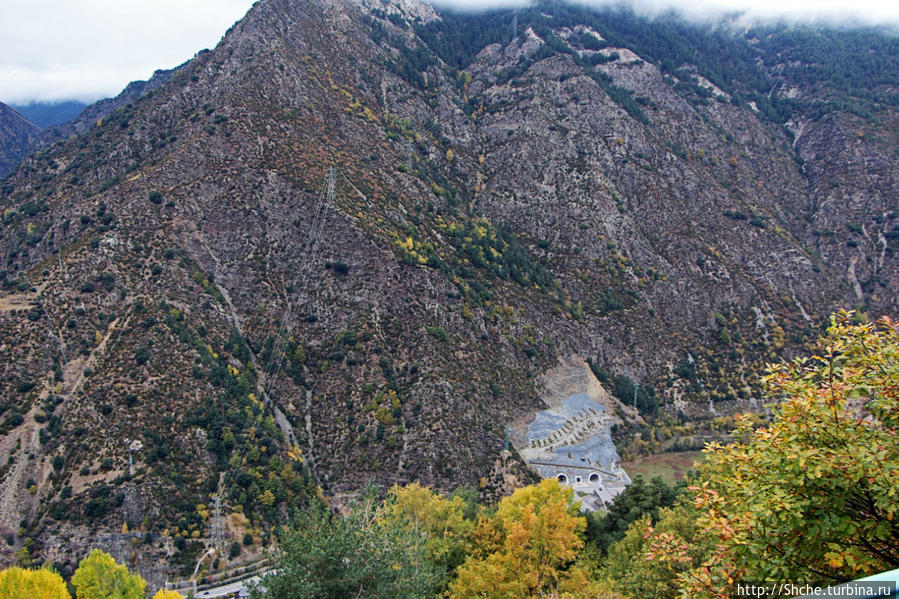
(17, 134)
(558, 196)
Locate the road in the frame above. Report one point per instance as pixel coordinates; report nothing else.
(229, 590)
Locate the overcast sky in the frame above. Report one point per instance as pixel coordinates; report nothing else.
(89, 49)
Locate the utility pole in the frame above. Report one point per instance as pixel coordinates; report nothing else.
(636, 412)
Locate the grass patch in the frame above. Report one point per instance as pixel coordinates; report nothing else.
(670, 466)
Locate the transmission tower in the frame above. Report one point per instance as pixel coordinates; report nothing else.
(409, 155)
(332, 177)
(636, 412)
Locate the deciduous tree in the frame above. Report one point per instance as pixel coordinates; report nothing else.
(99, 577)
(19, 583)
(539, 532)
(326, 555)
(445, 521)
(815, 494)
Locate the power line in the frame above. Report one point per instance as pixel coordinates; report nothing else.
(296, 294)
(301, 280)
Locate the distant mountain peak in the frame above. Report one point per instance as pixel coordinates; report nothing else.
(17, 135)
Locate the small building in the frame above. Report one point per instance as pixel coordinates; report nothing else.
(593, 486)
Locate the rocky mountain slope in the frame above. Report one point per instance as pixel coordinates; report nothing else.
(348, 243)
(17, 135)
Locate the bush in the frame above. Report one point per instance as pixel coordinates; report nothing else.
(339, 267)
(25, 386)
(234, 551)
(96, 508)
(142, 355)
(438, 332)
(155, 197)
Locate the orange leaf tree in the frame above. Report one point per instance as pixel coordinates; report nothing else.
(814, 495)
(532, 546)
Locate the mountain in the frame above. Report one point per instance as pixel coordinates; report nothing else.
(16, 135)
(58, 121)
(355, 241)
(93, 113)
(48, 114)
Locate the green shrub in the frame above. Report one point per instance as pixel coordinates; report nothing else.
(438, 332)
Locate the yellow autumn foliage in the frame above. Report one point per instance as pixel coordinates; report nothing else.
(528, 549)
(19, 583)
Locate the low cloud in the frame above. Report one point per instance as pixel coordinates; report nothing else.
(89, 49)
(840, 12)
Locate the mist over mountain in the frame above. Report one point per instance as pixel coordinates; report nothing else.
(47, 114)
(355, 240)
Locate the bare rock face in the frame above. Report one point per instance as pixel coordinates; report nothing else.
(17, 135)
(347, 244)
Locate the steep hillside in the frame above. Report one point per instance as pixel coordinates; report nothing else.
(348, 243)
(17, 134)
